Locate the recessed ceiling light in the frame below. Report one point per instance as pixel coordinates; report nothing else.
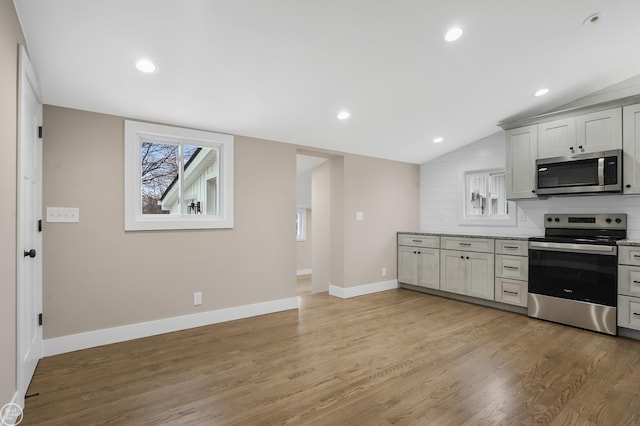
(343, 115)
(541, 92)
(437, 140)
(453, 34)
(146, 66)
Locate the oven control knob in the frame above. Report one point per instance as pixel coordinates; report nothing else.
(549, 219)
(557, 219)
(618, 220)
(608, 220)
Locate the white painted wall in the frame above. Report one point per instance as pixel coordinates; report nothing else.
(441, 195)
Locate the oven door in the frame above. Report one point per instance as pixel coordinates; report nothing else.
(581, 272)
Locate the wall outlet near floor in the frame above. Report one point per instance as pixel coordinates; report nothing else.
(384, 272)
(197, 298)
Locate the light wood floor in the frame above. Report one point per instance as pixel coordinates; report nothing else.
(395, 357)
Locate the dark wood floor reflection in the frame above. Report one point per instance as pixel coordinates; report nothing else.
(395, 357)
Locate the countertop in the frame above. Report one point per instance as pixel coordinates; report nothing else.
(635, 243)
(496, 237)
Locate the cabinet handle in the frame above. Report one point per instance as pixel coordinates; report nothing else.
(636, 255)
(571, 148)
(515, 293)
(515, 268)
(465, 244)
(461, 257)
(636, 282)
(510, 247)
(417, 241)
(636, 314)
(628, 186)
(467, 257)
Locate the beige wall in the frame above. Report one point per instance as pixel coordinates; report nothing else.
(321, 227)
(387, 192)
(10, 37)
(347, 252)
(97, 276)
(303, 248)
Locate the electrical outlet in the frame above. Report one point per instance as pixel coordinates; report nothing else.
(359, 216)
(384, 272)
(197, 298)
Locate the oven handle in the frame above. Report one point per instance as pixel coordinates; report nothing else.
(574, 248)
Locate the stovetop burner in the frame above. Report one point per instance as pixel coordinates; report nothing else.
(597, 229)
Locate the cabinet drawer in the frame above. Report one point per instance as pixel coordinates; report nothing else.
(511, 291)
(629, 255)
(629, 312)
(629, 280)
(513, 247)
(514, 267)
(483, 245)
(430, 241)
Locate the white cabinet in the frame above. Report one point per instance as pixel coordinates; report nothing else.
(592, 132)
(557, 138)
(512, 272)
(631, 149)
(419, 260)
(629, 287)
(467, 272)
(521, 151)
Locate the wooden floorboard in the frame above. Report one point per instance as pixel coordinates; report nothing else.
(395, 357)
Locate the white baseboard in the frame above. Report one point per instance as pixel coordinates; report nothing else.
(303, 271)
(107, 336)
(347, 292)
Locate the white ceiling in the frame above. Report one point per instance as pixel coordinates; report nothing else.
(283, 69)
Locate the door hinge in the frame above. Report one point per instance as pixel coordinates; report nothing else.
(39, 132)
(39, 319)
(40, 225)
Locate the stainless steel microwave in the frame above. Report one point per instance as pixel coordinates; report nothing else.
(596, 172)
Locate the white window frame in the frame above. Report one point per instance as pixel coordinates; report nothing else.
(301, 226)
(134, 132)
(496, 220)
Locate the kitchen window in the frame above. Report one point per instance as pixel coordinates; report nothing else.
(177, 178)
(485, 199)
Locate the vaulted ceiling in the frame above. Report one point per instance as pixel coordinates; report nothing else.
(284, 69)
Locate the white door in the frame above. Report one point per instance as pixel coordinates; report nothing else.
(29, 268)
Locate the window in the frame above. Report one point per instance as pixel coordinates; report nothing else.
(301, 225)
(485, 198)
(177, 178)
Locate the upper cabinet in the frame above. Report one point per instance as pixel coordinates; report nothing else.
(593, 132)
(631, 149)
(522, 148)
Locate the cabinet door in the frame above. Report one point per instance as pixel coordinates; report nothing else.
(599, 131)
(631, 149)
(428, 267)
(407, 265)
(522, 149)
(557, 138)
(452, 271)
(480, 277)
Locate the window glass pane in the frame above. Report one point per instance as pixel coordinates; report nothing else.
(200, 180)
(477, 194)
(498, 195)
(159, 173)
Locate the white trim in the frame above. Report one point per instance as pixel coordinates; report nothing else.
(134, 220)
(347, 292)
(303, 272)
(107, 336)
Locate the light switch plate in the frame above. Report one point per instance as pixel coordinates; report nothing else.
(63, 214)
(359, 215)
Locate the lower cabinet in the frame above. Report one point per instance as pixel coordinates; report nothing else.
(467, 273)
(419, 266)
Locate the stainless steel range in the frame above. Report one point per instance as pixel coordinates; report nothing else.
(573, 270)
